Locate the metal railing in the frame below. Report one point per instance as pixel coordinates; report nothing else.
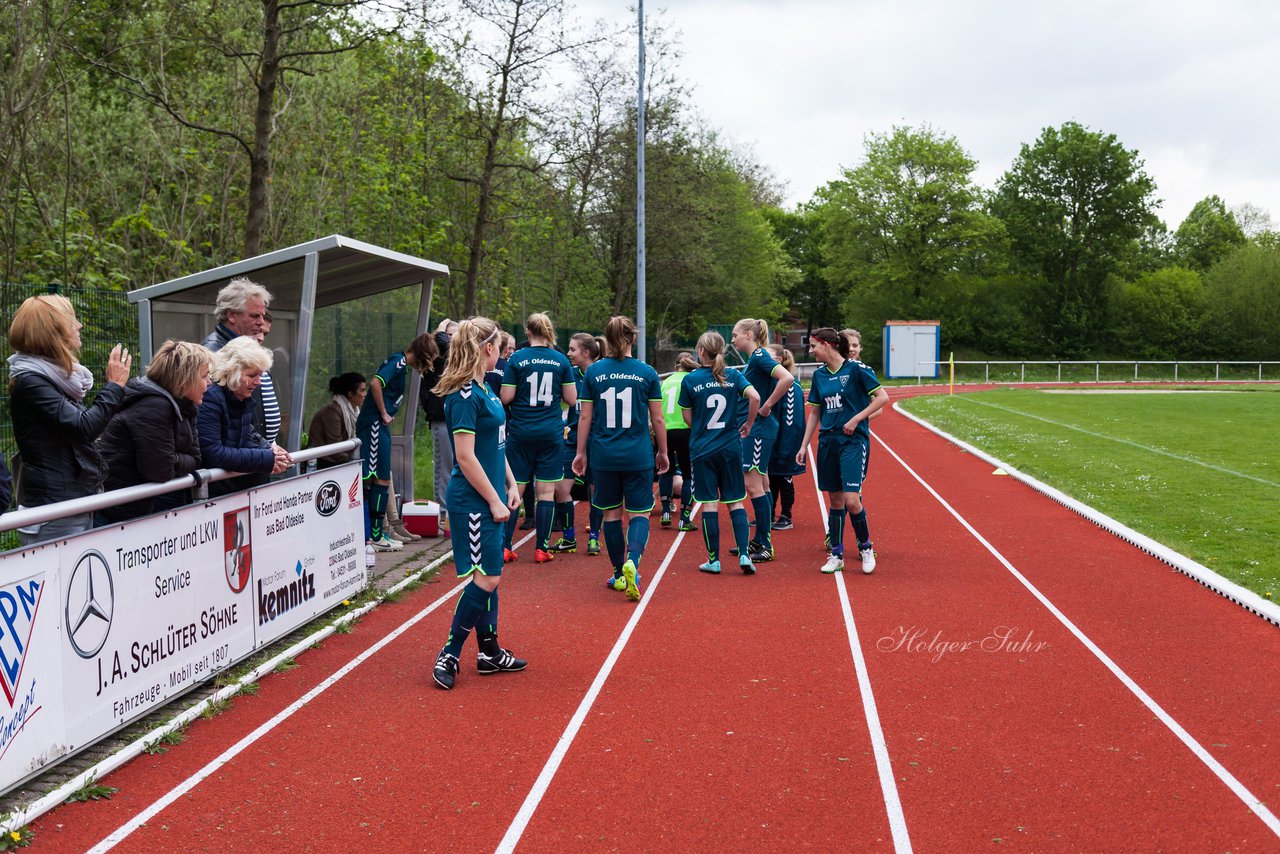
(1078, 370)
(198, 479)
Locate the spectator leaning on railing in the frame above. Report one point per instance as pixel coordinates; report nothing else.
(153, 438)
(228, 439)
(241, 309)
(54, 430)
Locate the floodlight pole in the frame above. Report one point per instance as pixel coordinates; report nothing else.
(640, 291)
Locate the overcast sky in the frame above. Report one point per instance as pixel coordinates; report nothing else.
(1191, 85)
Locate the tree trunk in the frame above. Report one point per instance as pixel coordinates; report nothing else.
(260, 158)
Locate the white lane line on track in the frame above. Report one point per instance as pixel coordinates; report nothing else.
(1250, 800)
(540, 786)
(884, 768)
(122, 832)
(1128, 442)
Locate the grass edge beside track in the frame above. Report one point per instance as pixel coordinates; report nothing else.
(1247, 599)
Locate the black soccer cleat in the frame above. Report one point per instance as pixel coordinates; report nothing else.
(503, 662)
(446, 670)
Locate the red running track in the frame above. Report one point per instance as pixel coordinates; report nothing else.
(726, 712)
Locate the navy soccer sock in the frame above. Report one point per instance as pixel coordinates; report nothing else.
(377, 509)
(764, 519)
(487, 628)
(472, 606)
(835, 528)
(509, 530)
(614, 542)
(542, 517)
(595, 518)
(637, 538)
(741, 528)
(565, 511)
(711, 533)
(859, 521)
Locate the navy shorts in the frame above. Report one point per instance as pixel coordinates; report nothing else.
(718, 477)
(536, 459)
(375, 451)
(842, 463)
(477, 543)
(631, 490)
(756, 451)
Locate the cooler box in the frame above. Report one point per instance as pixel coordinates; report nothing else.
(421, 518)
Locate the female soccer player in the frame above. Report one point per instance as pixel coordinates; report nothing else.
(782, 465)
(677, 445)
(771, 381)
(842, 396)
(709, 405)
(482, 493)
(584, 350)
(621, 397)
(385, 393)
(536, 379)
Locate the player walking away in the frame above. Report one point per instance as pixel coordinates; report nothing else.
(536, 379)
(481, 494)
(843, 395)
(677, 445)
(386, 393)
(782, 465)
(622, 397)
(584, 350)
(771, 381)
(709, 405)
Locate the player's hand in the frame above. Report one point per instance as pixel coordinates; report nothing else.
(763, 411)
(800, 457)
(513, 496)
(387, 419)
(744, 431)
(661, 462)
(499, 510)
(850, 426)
(579, 465)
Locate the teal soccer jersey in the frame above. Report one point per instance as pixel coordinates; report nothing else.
(474, 408)
(842, 395)
(759, 372)
(537, 374)
(572, 415)
(620, 391)
(394, 376)
(715, 410)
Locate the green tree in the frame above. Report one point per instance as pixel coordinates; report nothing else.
(800, 233)
(906, 219)
(1161, 315)
(1208, 234)
(1242, 293)
(1074, 204)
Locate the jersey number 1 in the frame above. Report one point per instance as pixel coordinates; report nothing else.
(612, 397)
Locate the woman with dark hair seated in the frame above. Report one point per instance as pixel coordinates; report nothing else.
(336, 420)
(227, 437)
(152, 438)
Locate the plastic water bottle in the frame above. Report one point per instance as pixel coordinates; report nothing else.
(370, 557)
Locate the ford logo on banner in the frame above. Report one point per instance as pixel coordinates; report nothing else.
(328, 497)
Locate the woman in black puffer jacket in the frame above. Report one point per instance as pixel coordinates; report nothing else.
(153, 436)
(228, 439)
(54, 429)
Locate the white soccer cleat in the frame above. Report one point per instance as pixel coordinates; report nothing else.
(868, 561)
(835, 563)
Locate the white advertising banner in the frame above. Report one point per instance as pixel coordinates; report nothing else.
(31, 724)
(169, 609)
(308, 548)
(104, 627)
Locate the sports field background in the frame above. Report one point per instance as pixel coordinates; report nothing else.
(1196, 469)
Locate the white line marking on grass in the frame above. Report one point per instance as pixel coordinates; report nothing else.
(540, 786)
(1131, 444)
(122, 832)
(1250, 800)
(884, 768)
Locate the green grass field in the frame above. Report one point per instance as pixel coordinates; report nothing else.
(1195, 469)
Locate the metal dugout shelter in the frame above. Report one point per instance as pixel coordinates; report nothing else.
(324, 273)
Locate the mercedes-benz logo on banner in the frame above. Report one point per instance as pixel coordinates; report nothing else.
(91, 602)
